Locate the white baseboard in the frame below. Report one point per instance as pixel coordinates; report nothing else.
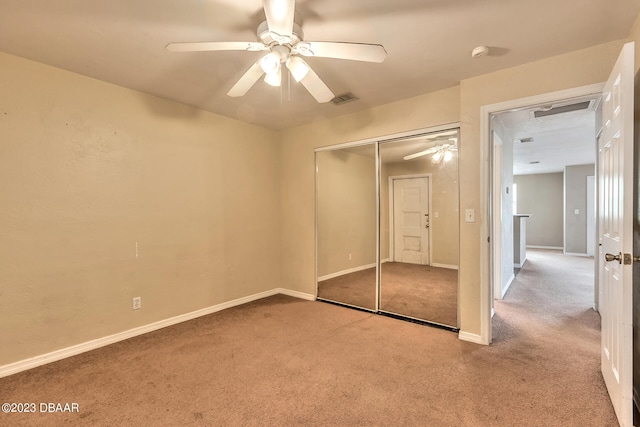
(553, 248)
(347, 271)
(296, 294)
(466, 336)
(507, 286)
(516, 265)
(43, 359)
(449, 266)
(575, 254)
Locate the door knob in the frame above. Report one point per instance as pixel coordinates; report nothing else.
(611, 257)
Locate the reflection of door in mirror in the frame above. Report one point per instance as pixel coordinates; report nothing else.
(411, 220)
(346, 226)
(419, 218)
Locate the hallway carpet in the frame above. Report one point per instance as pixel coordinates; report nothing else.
(281, 361)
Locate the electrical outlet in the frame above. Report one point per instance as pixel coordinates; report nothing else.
(350, 257)
(137, 303)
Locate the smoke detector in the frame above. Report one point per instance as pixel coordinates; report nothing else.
(479, 51)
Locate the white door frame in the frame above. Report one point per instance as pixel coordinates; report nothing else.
(591, 215)
(489, 174)
(391, 213)
(496, 188)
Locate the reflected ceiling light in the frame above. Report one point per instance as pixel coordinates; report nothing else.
(298, 67)
(438, 152)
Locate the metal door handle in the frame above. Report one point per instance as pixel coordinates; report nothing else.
(611, 257)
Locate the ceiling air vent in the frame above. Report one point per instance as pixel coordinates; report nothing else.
(562, 109)
(525, 140)
(344, 98)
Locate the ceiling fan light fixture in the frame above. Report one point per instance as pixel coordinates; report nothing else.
(270, 63)
(298, 67)
(281, 38)
(273, 79)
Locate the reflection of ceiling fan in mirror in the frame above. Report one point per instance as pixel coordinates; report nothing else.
(282, 39)
(446, 145)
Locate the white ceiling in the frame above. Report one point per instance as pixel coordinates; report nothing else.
(559, 140)
(428, 44)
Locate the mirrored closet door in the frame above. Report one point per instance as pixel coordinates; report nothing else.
(419, 227)
(346, 226)
(387, 226)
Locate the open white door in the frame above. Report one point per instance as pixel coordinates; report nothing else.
(615, 156)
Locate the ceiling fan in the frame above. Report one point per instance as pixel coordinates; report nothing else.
(282, 39)
(441, 151)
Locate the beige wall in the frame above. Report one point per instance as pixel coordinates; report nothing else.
(634, 36)
(87, 169)
(575, 197)
(541, 195)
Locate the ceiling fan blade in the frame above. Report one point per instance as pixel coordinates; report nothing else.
(211, 46)
(280, 16)
(316, 87)
(341, 50)
(422, 153)
(247, 81)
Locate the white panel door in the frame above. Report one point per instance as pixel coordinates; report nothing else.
(615, 156)
(411, 220)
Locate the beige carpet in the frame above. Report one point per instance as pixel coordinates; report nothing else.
(418, 291)
(287, 362)
(423, 292)
(357, 289)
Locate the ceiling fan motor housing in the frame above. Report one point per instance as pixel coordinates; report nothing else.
(270, 38)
